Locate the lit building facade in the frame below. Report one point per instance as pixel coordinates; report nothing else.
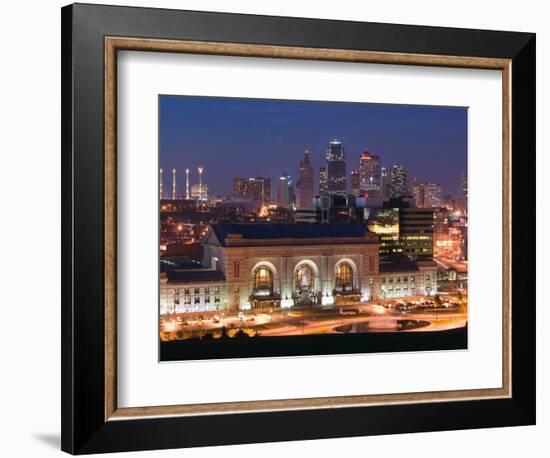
(428, 195)
(258, 189)
(355, 183)
(369, 173)
(265, 266)
(398, 181)
(336, 168)
(285, 191)
(199, 192)
(304, 185)
(323, 181)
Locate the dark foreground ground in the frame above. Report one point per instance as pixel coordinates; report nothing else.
(324, 344)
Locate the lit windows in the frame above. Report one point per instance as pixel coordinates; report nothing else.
(263, 281)
(344, 277)
(304, 278)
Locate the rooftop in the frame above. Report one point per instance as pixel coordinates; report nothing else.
(273, 231)
(194, 276)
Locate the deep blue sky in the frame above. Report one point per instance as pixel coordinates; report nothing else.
(235, 137)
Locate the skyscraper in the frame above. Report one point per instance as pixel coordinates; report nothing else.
(284, 191)
(385, 184)
(323, 181)
(369, 173)
(336, 168)
(304, 185)
(398, 180)
(355, 183)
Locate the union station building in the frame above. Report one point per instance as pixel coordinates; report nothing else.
(267, 266)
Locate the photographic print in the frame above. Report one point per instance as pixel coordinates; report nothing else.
(293, 227)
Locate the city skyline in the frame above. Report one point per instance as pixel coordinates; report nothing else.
(224, 136)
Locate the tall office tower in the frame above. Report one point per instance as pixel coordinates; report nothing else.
(160, 181)
(398, 181)
(304, 186)
(323, 181)
(283, 191)
(385, 183)
(173, 184)
(464, 189)
(291, 190)
(418, 192)
(258, 189)
(369, 173)
(355, 183)
(336, 169)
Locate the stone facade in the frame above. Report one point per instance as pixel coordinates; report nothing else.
(243, 272)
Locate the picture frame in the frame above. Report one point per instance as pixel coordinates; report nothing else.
(92, 35)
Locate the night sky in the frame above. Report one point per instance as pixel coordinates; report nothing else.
(235, 137)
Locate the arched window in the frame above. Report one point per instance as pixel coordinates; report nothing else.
(344, 277)
(304, 278)
(263, 280)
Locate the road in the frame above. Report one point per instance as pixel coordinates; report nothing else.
(323, 320)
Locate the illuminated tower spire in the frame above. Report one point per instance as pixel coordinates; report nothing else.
(187, 184)
(200, 169)
(173, 184)
(161, 184)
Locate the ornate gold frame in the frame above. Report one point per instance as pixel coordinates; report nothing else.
(114, 44)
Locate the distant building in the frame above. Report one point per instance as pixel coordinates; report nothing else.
(428, 195)
(398, 181)
(336, 168)
(284, 191)
(323, 181)
(335, 209)
(449, 202)
(291, 190)
(369, 173)
(355, 183)
(258, 189)
(304, 185)
(385, 183)
(464, 189)
(199, 192)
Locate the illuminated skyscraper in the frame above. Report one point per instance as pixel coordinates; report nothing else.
(323, 181)
(398, 181)
(160, 182)
(355, 183)
(385, 184)
(304, 185)
(285, 191)
(336, 168)
(369, 173)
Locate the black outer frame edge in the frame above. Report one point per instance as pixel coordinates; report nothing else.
(524, 195)
(83, 427)
(67, 400)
